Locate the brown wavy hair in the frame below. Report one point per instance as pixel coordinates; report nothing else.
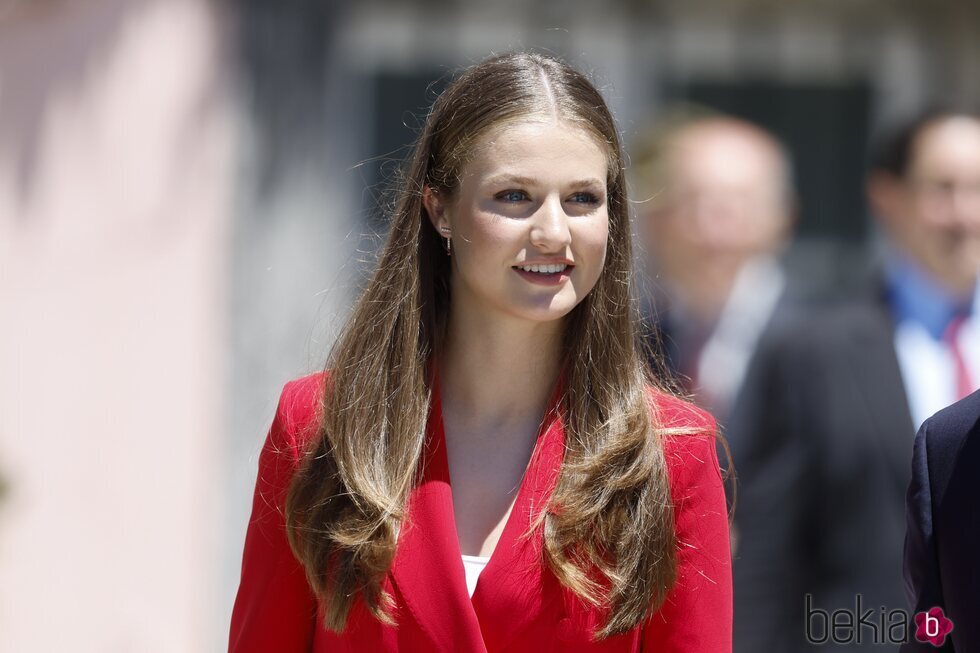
(608, 529)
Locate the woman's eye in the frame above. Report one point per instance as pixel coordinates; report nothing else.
(512, 195)
(585, 198)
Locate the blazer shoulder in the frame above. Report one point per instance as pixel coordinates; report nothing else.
(298, 412)
(692, 456)
(675, 412)
(943, 443)
(954, 422)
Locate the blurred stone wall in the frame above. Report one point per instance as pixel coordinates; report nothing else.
(116, 162)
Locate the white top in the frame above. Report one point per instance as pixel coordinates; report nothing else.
(928, 368)
(473, 565)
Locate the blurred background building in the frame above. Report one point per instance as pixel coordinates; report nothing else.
(190, 192)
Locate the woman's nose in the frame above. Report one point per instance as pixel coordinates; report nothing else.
(549, 226)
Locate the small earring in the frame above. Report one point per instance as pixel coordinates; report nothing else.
(449, 240)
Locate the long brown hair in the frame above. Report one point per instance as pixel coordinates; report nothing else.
(611, 511)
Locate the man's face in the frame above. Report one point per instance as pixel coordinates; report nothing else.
(933, 212)
(722, 204)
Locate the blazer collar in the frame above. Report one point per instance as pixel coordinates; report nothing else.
(515, 588)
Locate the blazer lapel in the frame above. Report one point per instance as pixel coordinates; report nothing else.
(515, 591)
(428, 568)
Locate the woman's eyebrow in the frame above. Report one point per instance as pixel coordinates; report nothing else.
(583, 183)
(507, 178)
(529, 181)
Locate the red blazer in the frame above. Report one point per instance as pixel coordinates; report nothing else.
(518, 605)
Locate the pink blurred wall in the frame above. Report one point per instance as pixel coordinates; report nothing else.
(115, 174)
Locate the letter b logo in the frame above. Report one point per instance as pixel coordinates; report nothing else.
(932, 626)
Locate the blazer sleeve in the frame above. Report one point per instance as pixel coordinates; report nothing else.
(696, 616)
(275, 609)
(922, 582)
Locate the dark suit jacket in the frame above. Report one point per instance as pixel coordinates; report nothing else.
(821, 437)
(943, 539)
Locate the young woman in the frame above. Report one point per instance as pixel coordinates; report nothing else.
(487, 464)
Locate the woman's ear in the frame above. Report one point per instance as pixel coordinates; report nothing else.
(434, 208)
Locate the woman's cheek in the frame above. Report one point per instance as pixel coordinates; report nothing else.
(596, 241)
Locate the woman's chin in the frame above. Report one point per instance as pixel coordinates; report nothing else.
(552, 312)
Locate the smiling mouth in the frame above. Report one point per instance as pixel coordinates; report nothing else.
(545, 270)
(545, 275)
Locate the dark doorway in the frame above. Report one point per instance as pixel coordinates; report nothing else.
(825, 127)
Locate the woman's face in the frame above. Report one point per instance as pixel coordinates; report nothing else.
(533, 194)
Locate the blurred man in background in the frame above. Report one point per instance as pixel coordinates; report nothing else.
(823, 429)
(716, 207)
(926, 194)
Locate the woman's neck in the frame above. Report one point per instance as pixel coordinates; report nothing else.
(501, 370)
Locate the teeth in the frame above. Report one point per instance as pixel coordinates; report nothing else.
(547, 269)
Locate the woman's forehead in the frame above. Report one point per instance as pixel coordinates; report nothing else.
(538, 151)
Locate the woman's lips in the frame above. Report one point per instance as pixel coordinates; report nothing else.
(544, 278)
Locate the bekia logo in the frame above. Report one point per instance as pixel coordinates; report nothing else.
(857, 626)
(932, 626)
(882, 626)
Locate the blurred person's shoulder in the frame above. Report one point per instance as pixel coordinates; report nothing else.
(832, 298)
(817, 323)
